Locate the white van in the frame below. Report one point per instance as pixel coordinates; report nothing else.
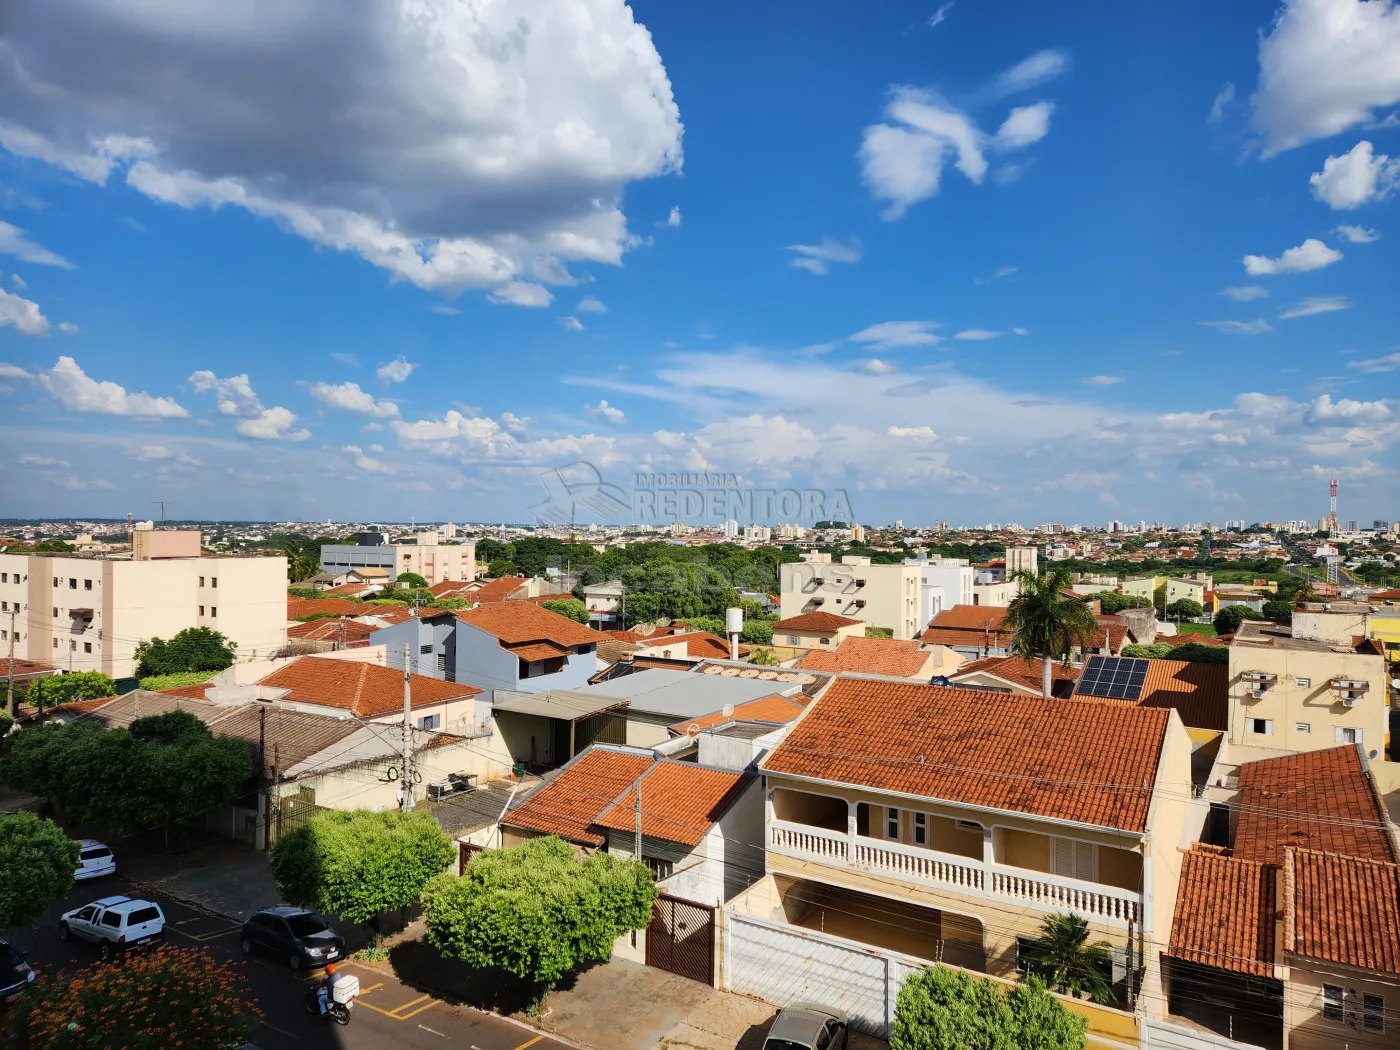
(115, 924)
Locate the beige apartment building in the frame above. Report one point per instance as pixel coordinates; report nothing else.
(877, 595)
(436, 562)
(88, 613)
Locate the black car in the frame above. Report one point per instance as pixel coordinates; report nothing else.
(299, 936)
(15, 973)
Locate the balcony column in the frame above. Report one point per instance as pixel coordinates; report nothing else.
(989, 852)
(851, 829)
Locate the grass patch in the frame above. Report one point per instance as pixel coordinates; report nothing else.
(179, 678)
(1196, 628)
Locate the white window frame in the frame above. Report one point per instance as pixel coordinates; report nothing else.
(428, 723)
(1372, 1012)
(892, 821)
(1267, 723)
(921, 829)
(1333, 1003)
(1074, 859)
(1302, 683)
(1340, 735)
(1302, 727)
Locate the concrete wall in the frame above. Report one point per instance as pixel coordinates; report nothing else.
(890, 593)
(1289, 703)
(1167, 827)
(1307, 1029)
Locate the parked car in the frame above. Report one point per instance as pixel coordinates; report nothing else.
(115, 924)
(806, 1026)
(301, 937)
(15, 973)
(94, 860)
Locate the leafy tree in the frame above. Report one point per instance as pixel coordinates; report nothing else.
(1154, 651)
(157, 682)
(449, 603)
(879, 632)
(537, 911)
(492, 550)
(193, 649)
(944, 1009)
(305, 592)
(52, 547)
(676, 590)
(409, 580)
(764, 658)
(1184, 609)
(1063, 957)
(161, 998)
(38, 860)
(1111, 602)
(1278, 611)
(1228, 619)
(1042, 1022)
(1194, 652)
(570, 607)
(500, 568)
(57, 689)
(356, 864)
(757, 632)
(1047, 621)
(6, 722)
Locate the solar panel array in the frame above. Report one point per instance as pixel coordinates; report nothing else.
(1117, 677)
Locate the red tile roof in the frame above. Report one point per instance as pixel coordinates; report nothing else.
(969, 625)
(1342, 909)
(348, 590)
(515, 623)
(365, 690)
(194, 692)
(567, 805)
(1321, 800)
(680, 801)
(776, 708)
(340, 629)
(1085, 762)
(497, 590)
(448, 588)
(696, 644)
(1014, 671)
(639, 637)
(887, 656)
(1224, 912)
(24, 667)
(1187, 639)
(1200, 693)
(814, 621)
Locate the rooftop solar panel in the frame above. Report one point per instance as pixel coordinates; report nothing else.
(1116, 677)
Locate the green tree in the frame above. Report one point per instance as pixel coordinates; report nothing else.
(1228, 619)
(500, 568)
(193, 649)
(157, 682)
(1063, 957)
(1278, 611)
(161, 998)
(38, 860)
(1153, 651)
(1047, 621)
(1184, 609)
(537, 911)
(1042, 1022)
(58, 689)
(357, 864)
(409, 580)
(764, 658)
(676, 590)
(944, 1009)
(488, 551)
(570, 607)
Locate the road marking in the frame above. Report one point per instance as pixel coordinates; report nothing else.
(426, 1006)
(371, 988)
(208, 936)
(282, 1031)
(433, 1030)
(530, 1042)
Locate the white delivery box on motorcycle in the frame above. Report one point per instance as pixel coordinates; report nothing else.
(345, 987)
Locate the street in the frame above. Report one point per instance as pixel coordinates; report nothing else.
(387, 1013)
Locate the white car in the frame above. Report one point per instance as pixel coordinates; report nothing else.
(114, 924)
(94, 861)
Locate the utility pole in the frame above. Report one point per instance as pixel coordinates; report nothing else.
(637, 849)
(10, 684)
(406, 776)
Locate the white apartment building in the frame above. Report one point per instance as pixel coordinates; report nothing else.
(943, 583)
(436, 562)
(757, 534)
(879, 595)
(81, 613)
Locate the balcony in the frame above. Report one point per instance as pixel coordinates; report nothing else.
(976, 878)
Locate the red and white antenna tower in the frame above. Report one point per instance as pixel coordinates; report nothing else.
(1332, 509)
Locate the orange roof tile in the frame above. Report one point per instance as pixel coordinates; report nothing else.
(514, 622)
(497, 590)
(365, 690)
(566, 805)
(776, 708)
(24, 667)
(887, 656)
(1322, 800)
(194, 692)
(448, 588)
(1200, 693)
(1224, 912)
(1187, 639)
(348, 590)
(971, 617)
(1342, 909)
(680, 801)
(298, 607)
(533, 651)
(1014, 671)
(1091, 763)
(698, 644)
(340, 629)
(814, 621)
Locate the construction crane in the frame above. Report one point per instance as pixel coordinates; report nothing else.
(162, 504)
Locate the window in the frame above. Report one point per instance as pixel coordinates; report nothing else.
(141, 915)
(201, 610)
(55, 581)
(213, 581)
(826, 641)
(1346, 735)
(660, 869)
(969, 825)
(1302, 727)
(5, 606)
(55, 610)
(55, 643)
(1373, 1012)
(72, 584)
(4, 577)
(921, 829)
(442, 663)
(428, 722)
(426, 649)
(213, 610)
(794, 640)
(72, 645)
(1303, 683)
(112, 919)
(1074, 859)
(892, 823)
(87, 585)
(87, 647)
(201, 581)
(1331, 1002)
(1259, 726)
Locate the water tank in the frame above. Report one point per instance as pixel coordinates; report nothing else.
(733, 620)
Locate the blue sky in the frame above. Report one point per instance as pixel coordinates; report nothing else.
(965, 261)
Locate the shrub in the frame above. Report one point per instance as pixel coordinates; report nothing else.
(408, 580)
(570, 607)
(1228, 619)
(38, 860)
(157, 682)
(193, 649)
(57, 689)
(944, 1009)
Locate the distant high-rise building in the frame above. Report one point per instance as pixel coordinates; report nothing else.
(731, 528)
(857, 533)
(1379, 525)
(899, 523)
(1351, 525)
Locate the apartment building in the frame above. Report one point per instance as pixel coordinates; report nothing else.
(943, 583)
(877, 595)
(431, 559)
(87, 613)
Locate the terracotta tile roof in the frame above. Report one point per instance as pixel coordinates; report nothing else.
(289, 737)
(194, 692)
(696, 644)
(1091, 763)
(680, 801)
(1224, 912)
(638, 637)
(514, 623)
(1200, 693)
(347, 590)
(497, 590)
(390, 614)
(969, 625)
(297, 607)
(1322, 800)
(73, 708)
(24, 667)
(1013, 671)
(814, 621)
(566, 805)
(1187, 639)
(1341, 909)
(1117, 636)
(1386, 596)
(533, 651)
(340, 629)
(365, 690)
(612, 649)
(448, 588)
(887, 656)
(776, 708)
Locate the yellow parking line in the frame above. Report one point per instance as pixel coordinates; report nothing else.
(414, 1013)
(529, 1042)
(371, 1006)
(366, 991)
(399, 1009)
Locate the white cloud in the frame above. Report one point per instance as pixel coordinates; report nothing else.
(1324, 67)
(999, 274)
(154, 452)
(34, 460)
(14, 242)
(1039, 68)
(9, 371)
(395, 371)
(912, 432)
(18, 281)
(1325, 410)
(348, 397)
(456, 146)
(1388, 363)
(1316, 304)
(608, 413)
(572, 324)
(273, 424)
(234, 395)
(896, 334)
(1020, 331)
(443, 310)
(1222, 101)
(814, 258)
(977, 334)
(875, 367)
(1312, 254)
(1357, 177)
(1245, 293)
(590, 305)
(1256, 327)
(68, 328)
(364, 462)
(941, 14)
(516, 424)
(22, 315)
(1025, 125)
(345, 359)
(71, 387)
(674, 217)
(1357, 234)
(522, 293)
(1102, 380)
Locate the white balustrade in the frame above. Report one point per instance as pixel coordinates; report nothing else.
(925, 865)
(816, 843)
(1056, 894)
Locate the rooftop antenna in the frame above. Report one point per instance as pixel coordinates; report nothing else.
(162, 507)
(1332, 508)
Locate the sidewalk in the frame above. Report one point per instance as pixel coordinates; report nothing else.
(219, 876)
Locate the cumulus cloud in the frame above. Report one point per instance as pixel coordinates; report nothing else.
(1316, 304)
(1357, 234)
(348, 397)
(364, 462)
(1222, 101)
(912, 432)
(608, 413)
(1325, 410)
(1102, 380)
(234, 395)
(572, 324)
(71, 387)
(1388, 363)
(1256, 327)
(68, 328)
(1357, 177)
(522, 293)
(590, 305)
(977, 334)
(395, 371)
(21, 314)
(1025, 125)
(481, 146)
(673, 219)
(1245, 293)
(816, 258)
(1325, 66)
(1312, 254)
(273, 424)
(875, 367)
(897, 334)
(14, 242)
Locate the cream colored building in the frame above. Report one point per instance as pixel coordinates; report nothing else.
(436, 562)
(877, 595)
(1187, 589)
(89, 613)
(1292, 693)
(1153, 588)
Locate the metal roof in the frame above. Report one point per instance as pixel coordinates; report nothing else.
(682, 694)
(572, 706)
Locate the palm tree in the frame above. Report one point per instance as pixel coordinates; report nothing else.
(1048, 620)
(1062, 957)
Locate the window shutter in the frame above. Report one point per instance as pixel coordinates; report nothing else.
(1086, 856)
(1062, 859)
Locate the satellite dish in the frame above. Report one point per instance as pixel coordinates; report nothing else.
(644, 629)
(662, 621)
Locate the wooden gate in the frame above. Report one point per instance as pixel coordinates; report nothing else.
(681, 938)
(465, 852)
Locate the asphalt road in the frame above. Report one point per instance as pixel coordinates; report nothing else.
(387, 1013)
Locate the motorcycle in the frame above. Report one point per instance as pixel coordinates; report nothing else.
(337, 1012)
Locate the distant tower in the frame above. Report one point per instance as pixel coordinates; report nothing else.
(1332, 509)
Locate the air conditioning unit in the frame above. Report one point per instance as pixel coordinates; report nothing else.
(1349, 701)
(1257, 693)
